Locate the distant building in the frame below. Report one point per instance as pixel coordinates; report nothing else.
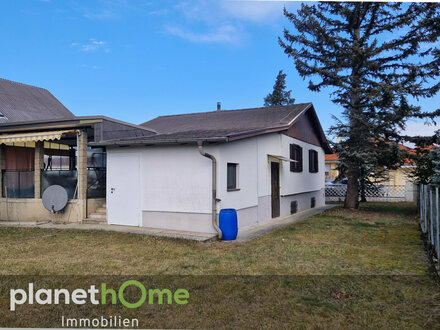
(397, 177)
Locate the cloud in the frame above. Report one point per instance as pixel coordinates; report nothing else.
(255, 11)
(103, 14)
(226, 34)
(92, 67)
(225, 20)
(92, 46)
(158, 12)
(263, 12)
(103, 9)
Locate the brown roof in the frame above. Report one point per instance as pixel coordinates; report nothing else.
(224, 125)
(233, 121)
(21, 103)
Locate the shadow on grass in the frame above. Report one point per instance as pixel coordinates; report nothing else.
(408, 209)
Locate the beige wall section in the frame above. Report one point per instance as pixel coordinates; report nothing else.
(32, 209)
(333, 170)
(39, 164)
(399, 177)
(82, 173)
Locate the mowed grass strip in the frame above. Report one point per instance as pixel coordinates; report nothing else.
(379, 239)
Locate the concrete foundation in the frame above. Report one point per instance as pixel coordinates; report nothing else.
(247, 217)
(32, 209)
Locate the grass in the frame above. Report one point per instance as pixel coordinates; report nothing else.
(379, 239)
(355, 256)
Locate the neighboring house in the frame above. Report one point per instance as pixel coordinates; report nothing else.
(398, 177)
(42, 143)
(331, 166)
(269, 163)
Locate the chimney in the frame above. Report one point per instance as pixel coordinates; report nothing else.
(219, 106)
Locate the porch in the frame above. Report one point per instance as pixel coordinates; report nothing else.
(30, 162)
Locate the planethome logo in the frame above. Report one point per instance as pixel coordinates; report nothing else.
(97, 296)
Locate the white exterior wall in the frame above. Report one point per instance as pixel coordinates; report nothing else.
(175, 181)
(290, 182)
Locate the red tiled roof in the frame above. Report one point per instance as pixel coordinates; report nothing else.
(331, 157)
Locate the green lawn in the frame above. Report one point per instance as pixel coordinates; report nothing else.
(379, 239)
(368, 247)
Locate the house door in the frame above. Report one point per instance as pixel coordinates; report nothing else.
(123, 189)
(275, 183)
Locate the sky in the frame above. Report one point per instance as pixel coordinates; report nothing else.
(134, 60)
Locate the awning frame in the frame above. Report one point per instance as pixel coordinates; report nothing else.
(279, 159)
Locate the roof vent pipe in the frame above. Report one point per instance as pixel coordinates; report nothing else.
(214, 188)
(219, 106)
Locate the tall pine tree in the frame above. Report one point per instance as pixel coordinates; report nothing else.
(377, 58)
(279, 96)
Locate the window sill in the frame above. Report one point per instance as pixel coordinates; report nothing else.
(235, 189)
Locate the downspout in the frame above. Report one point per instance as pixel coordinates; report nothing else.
(214, 188)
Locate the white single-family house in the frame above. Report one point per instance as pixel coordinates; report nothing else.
(266, 163)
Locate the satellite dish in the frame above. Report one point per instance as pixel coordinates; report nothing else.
(55, 198)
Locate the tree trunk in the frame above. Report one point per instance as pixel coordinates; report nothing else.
(352, 197)
(363, 196)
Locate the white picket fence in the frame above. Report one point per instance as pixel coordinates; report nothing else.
(428, 203)
(377, 193)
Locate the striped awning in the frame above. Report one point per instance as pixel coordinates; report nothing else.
(33, 137)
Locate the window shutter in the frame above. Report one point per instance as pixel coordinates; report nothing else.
(313, 161)
(292, 156)
(296, 154)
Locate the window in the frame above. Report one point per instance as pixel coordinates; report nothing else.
(232, 176)
(327, 171)
(313, 161)
(293, 207)
(312, 202)
(296, 154)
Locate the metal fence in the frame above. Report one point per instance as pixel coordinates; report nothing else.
(65, 178)
(428, 202)
(377, 193)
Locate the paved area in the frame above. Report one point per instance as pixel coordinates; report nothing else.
(258, 230)
(243, 235)
(202, 237)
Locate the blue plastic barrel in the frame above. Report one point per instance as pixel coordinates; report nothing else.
(228, 224)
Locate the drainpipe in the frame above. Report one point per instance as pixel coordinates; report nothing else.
(214, 187)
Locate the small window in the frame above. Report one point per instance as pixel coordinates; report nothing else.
(312, 202)
(313, 161)
(293, 207)
(232, 183)
(296, 155)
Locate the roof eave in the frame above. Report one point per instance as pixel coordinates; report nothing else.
(140, 142)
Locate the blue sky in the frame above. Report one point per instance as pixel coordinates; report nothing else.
(134, 60)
